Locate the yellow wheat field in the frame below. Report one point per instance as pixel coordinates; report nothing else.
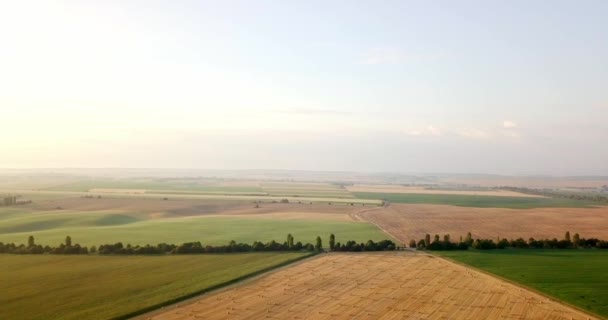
(396, 285)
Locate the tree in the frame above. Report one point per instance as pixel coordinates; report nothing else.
(436, 239)
(412, 243)
(469, 239)
(567, 236)
(319, 244)
(68, 241)
(576, 239)
(290, 241)
(332, 241)
(446, 238)
(30, 242)
(427, 240)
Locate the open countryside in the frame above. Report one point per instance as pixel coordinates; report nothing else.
(236, 160)
(93, 218)
(373, 286)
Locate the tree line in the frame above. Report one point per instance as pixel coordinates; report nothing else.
(194, 247)
(10, 200)
(555, 194)
(567, 242)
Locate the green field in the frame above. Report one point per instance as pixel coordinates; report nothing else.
(477, 201)
(100, 227)
(104, 287)
(577, 277)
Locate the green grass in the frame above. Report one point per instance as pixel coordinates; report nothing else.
(477, 201)
(577, 277)
(100, 227)
(24, 221)
(105, 287)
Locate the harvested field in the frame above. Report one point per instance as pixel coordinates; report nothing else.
(529, 182)
(373, 286)
(131, 191)
(302, 189)
(413, 221)
(423, 190)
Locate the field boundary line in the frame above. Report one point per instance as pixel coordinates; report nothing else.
(146, 312)
(360, 218)
(520, 285)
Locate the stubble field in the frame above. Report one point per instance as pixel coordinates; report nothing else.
(373, 286)
(413, 221)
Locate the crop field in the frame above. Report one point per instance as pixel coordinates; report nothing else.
(133, 193)
(575, 276)
(302, 189)
(151, 184)
(528, 182)
(372, 286)
(99, 221)
(478, 201)
(102, 287)
(203, 186)
(425, 190)
(413, 221)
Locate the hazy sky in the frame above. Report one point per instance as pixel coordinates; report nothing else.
(512, 87)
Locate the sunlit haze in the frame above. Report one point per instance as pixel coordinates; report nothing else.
(512, 87)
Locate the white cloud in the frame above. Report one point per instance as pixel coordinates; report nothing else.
(509, 124)
(428, 131)
(414, 133)
(433, 131)
(472, 133)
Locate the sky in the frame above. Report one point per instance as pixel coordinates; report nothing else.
(500, 87)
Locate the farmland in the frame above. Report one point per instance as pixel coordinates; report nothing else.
(151, 184)
(413, 221)
(399, 189)
(144, 221)
(479, 201)
(575, 276)
(101, 287)
(372, 286)
(141, 211)
(193, 195)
